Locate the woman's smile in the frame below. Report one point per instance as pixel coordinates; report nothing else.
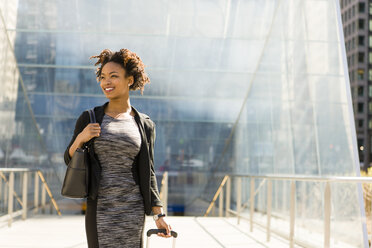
(109, 89)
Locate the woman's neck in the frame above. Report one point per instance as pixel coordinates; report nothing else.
(118, 106)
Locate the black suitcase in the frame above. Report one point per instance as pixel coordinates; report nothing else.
(155, 231)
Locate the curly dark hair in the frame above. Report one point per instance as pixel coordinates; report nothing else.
(131, 63)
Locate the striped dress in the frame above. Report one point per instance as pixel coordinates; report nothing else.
(120, 207)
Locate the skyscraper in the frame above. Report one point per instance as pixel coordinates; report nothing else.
(357, 25)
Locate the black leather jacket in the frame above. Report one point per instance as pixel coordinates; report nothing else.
(143, 167)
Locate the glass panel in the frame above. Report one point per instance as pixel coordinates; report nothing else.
(360, 90)
(360, 74)
(361, 57)
(361, 24)
(362, 7)
(21, 143)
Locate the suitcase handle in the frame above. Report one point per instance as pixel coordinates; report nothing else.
(155, 231)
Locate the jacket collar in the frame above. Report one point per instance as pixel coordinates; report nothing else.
(100, 112)
(139, 117)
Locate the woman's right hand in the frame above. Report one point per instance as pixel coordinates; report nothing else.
(90, 131)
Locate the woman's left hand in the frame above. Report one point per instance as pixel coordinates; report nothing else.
(161, 223)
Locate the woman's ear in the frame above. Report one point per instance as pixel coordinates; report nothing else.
(131, 80)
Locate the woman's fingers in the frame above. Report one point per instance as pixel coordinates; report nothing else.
(90, 131)
(94, 126)
(94, 129)
(94, 132)
(90, 125)
(165, 235)
(168, 230)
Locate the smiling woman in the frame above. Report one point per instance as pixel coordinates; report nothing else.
(122, 186)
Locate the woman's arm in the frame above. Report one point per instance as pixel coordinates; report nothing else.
(155, 198)
(157, 210)
(78, 143)
(156, 204)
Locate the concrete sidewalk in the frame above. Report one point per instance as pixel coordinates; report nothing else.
(68, 231)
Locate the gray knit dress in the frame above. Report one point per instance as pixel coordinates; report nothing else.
(120, 207)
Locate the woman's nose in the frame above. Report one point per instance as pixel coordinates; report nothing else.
(107, 82)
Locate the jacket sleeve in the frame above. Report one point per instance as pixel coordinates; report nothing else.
(155, 198)
(79, 126)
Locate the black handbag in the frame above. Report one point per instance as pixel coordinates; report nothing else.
(75, 184)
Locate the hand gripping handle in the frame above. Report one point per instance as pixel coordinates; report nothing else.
(155, 231)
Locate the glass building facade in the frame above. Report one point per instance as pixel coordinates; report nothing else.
(237, 86)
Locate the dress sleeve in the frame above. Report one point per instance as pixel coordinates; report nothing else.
(155, 198)
(79, 126)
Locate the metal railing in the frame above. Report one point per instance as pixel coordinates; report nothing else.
(164, 192)
(226, 182)
(9, 194)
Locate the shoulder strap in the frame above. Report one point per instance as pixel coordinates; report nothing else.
(92, 116)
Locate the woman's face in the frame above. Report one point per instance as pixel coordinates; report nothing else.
(113, 83)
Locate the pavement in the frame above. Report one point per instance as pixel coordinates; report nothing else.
(68, 231)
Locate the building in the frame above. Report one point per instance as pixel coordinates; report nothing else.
(357, 26)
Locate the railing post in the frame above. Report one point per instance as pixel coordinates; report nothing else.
(371, 220)
(24, 195)
(284, 196)
(36, 193)
(238, 196)
(43, 198)
(20, 182)
(1, 191)
(251, 200)
(228, 196)
(166, 193)
(292, 214)
(5, 196)
(49, 175)
(10, 196)
(303, 201)
(327, 215)
(269, 202)
(220, 203)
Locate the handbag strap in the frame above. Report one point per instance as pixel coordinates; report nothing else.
(92, 116)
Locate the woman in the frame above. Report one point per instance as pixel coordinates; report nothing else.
(122, 185)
